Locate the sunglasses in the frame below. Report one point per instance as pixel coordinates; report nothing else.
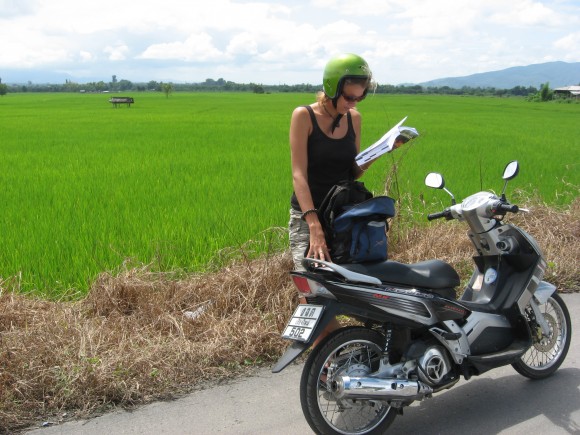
(352, 99)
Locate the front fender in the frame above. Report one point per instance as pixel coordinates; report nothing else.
(543, 292)
(541, 296)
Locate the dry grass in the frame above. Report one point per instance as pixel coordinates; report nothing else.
(129, 341)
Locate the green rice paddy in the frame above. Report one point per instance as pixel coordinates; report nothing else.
(170, 182)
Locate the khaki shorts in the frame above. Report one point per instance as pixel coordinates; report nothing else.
(299, 234)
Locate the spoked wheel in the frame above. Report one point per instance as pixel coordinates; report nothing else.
(351, 352)
(548, 351)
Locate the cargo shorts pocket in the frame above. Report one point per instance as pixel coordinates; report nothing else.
(299, 235)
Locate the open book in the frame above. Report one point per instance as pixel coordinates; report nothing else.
(385, 143)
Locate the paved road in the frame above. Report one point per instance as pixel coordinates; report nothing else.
(500, 401)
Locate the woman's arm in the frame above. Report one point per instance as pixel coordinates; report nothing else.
(358, 171)
(357, 123)
(300, 128)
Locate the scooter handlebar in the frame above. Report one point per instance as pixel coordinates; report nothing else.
(497, 208)
(503, 208)
(442, 214)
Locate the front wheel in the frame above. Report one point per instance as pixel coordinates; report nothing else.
(547, 352)
(353, 351)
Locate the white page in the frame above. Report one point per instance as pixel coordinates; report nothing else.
(385, 143)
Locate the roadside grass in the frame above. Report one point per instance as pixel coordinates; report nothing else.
(133, 338)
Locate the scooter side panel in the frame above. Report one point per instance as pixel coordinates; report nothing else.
(413, 305)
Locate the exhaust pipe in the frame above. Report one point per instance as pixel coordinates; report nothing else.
(345, 387)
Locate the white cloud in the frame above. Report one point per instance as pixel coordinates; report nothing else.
(243, 44)
(358, 8)
(196, 48)
(15, 8)
(118, 52)
(569, 42)
(85, 56)
(527, 13)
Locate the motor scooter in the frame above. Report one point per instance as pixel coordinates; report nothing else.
(413, 337)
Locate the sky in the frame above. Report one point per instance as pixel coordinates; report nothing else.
(278, 42)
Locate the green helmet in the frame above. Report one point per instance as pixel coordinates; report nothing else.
(340, 68)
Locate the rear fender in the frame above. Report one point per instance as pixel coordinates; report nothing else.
(297, 348)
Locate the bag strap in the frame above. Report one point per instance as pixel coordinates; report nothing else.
(345, 193)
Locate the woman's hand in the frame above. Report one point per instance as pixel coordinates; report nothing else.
(318, 248)
(400, 140)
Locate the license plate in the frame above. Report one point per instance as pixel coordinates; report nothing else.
(303, 322)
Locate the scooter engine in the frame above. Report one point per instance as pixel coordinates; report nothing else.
(434, 365)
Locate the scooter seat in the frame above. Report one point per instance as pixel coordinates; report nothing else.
(430, 275)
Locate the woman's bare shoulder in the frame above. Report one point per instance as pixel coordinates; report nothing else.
(355, 114)
(302, 110)
(301, 115)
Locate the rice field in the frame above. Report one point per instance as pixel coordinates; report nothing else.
(172, 182)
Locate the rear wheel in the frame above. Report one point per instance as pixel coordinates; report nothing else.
(548, 351)
(350, 352)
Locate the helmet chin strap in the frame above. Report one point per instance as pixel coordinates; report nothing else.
(335, 120)
(337, 93)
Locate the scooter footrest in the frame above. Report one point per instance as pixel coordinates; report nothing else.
(512, 352)
(450, 336)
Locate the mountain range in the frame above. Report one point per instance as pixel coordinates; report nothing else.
(557, 74)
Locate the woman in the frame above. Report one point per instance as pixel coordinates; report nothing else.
(324, 141)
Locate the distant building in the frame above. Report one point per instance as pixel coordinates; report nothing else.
(568, 92)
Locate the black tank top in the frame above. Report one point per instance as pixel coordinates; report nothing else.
(329, 160)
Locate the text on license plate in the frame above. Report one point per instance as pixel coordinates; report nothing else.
(303, 322)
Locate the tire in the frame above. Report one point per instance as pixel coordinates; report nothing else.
(323, 412)
(547, 353)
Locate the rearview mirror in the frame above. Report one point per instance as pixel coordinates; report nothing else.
(511, 170)
(435, 180)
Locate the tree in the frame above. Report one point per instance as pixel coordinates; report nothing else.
(545, 93)
(125, 85)
(3, 89)
(100, 86)
(70, 86)
(167, 89)
(257, 89)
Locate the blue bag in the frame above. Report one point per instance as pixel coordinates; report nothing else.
(359, 234)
